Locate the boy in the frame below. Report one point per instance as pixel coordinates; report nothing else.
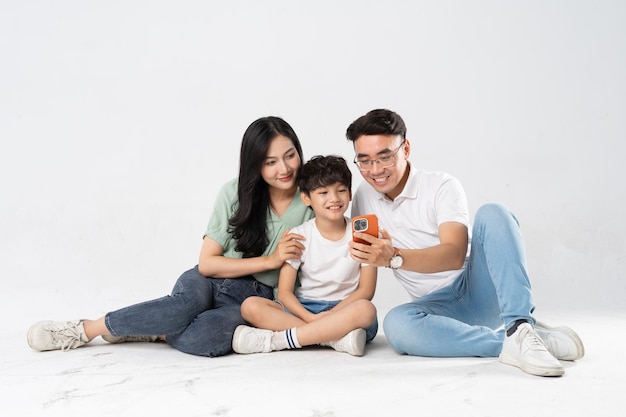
(332, 305)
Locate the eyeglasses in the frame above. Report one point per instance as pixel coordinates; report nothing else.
(383, 161)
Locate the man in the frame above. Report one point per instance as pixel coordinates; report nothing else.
(467, 300)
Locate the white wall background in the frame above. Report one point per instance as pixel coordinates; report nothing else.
(119, 120)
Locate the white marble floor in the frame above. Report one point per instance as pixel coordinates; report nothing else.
(141, 379)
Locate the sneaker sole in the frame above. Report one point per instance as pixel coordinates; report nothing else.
(580, 348)
(529, 369)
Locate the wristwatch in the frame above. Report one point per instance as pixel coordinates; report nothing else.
(396, 260)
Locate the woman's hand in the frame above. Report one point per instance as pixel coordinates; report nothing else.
(289, 247)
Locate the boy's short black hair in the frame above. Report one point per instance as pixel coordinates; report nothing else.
(377, 122)
(322, 171)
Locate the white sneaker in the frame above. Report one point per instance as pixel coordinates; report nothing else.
(54, 335)
(525, 350)
(124, 339)
(248, 339)
(352, 343)
(562, 342)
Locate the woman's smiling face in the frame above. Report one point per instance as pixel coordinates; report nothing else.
(281, 164)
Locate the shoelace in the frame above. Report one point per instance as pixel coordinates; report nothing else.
(264, 342)
(66, 337)
(258, 341)
(534, 342)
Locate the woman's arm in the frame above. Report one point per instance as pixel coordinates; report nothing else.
(212, 263)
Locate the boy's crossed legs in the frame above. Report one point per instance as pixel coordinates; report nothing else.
(341, 329)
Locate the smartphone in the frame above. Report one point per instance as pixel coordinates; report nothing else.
(367, 223)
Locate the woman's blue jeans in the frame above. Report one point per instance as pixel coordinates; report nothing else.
(469, 317)
(199, 317)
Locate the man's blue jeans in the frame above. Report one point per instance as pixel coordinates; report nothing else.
(469, 317)
(199, 317)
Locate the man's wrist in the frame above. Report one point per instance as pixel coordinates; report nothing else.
(396, 260)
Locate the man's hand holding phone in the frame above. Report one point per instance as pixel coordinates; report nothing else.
(366, 246)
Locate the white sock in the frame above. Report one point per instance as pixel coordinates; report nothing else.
(285, 339)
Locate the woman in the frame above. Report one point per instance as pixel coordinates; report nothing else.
(246, 242)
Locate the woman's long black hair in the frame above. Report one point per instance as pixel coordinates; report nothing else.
(248, 224)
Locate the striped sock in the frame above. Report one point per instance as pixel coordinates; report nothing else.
(292, 338)
(286, 339)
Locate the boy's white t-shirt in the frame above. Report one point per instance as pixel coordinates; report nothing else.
(325, 271)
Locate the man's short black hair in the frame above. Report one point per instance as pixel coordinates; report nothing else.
(377, 122)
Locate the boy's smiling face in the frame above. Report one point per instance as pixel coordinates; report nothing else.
(329, 202)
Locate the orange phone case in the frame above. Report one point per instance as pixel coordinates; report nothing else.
(367, 223)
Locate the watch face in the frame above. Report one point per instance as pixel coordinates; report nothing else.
(396, 262)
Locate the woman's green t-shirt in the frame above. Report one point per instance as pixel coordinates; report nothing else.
(223, 209)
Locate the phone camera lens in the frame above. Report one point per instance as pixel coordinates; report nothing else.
(360, 225)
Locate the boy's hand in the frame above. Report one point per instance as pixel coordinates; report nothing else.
(317, 316)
